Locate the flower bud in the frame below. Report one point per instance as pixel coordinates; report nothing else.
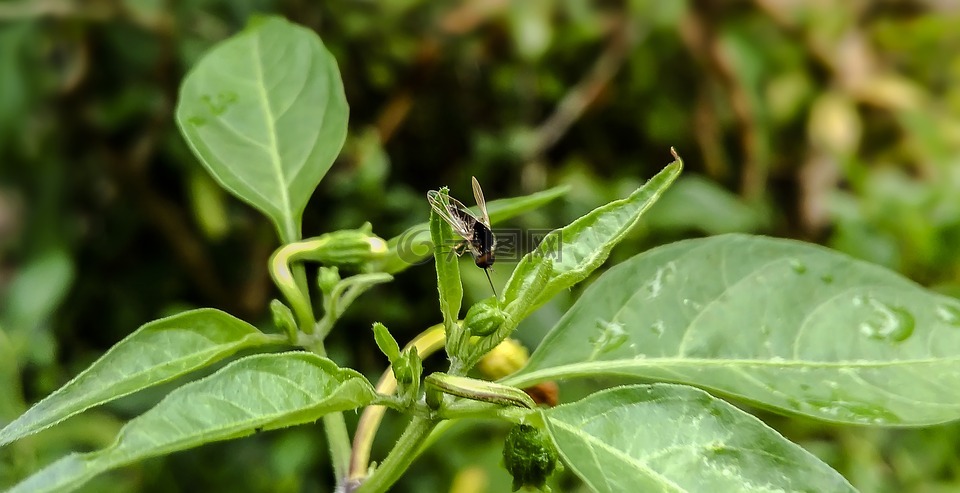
(351, 247)
(327, 278)
(484, 317)
(529, 456)
(283, 319)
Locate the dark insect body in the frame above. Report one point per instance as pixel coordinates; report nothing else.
(477, 236)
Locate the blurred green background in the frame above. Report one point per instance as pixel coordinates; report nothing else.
(831, 122)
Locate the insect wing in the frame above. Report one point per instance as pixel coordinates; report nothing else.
(481, 203)
(447, 207)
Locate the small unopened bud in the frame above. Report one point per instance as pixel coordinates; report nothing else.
(327, 278)
(484, 317)
(283, 319)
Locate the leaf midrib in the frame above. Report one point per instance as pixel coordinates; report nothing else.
(70, 405)
(597, 367)
(273, 150)
(593, 442)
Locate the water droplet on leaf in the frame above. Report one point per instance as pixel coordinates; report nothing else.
(658, 328)
(949, 314)
(609, 336)
(798, 266)
(890, 323)
(663, 275)
(692, 304)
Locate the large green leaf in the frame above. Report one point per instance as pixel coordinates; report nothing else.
(673, 438)
(265, 113)
(256, 393)
(568, 255)
(780, 323)
(156, 352)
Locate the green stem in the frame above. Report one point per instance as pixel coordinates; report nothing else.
(400, 458)
(335, 428)
(427, 343)
(292, 282)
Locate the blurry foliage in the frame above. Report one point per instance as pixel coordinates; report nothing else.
(835, 122)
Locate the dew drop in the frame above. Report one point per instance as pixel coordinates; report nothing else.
(798, 266)
(658, 328)
(949, 314)
(197, 121)
(655, 285)
(663, 275)
(692, 304)
(889, 323)
(608, 336)
(827, 279)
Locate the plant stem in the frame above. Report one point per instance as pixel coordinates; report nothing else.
(292, 282)
(428, 342)
(400, 458)
(335, 428)
(339, 440)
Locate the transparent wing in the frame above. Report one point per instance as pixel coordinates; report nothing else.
(443, 205)
(482, 204)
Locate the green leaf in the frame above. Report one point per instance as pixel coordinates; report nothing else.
(156, 352)
(568, 255)
(673, 438)
(779, 323)
(385, 341)
(265, 113)
(414, 246)
(256, 393)
(448, 270)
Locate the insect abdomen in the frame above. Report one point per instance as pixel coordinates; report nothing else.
(485, 242)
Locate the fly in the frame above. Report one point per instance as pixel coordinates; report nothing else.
(475, 231)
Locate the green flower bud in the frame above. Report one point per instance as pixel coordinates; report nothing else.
(327, 278)
(484, 318)
(283, 319)
(529, 456)
(351, 247)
